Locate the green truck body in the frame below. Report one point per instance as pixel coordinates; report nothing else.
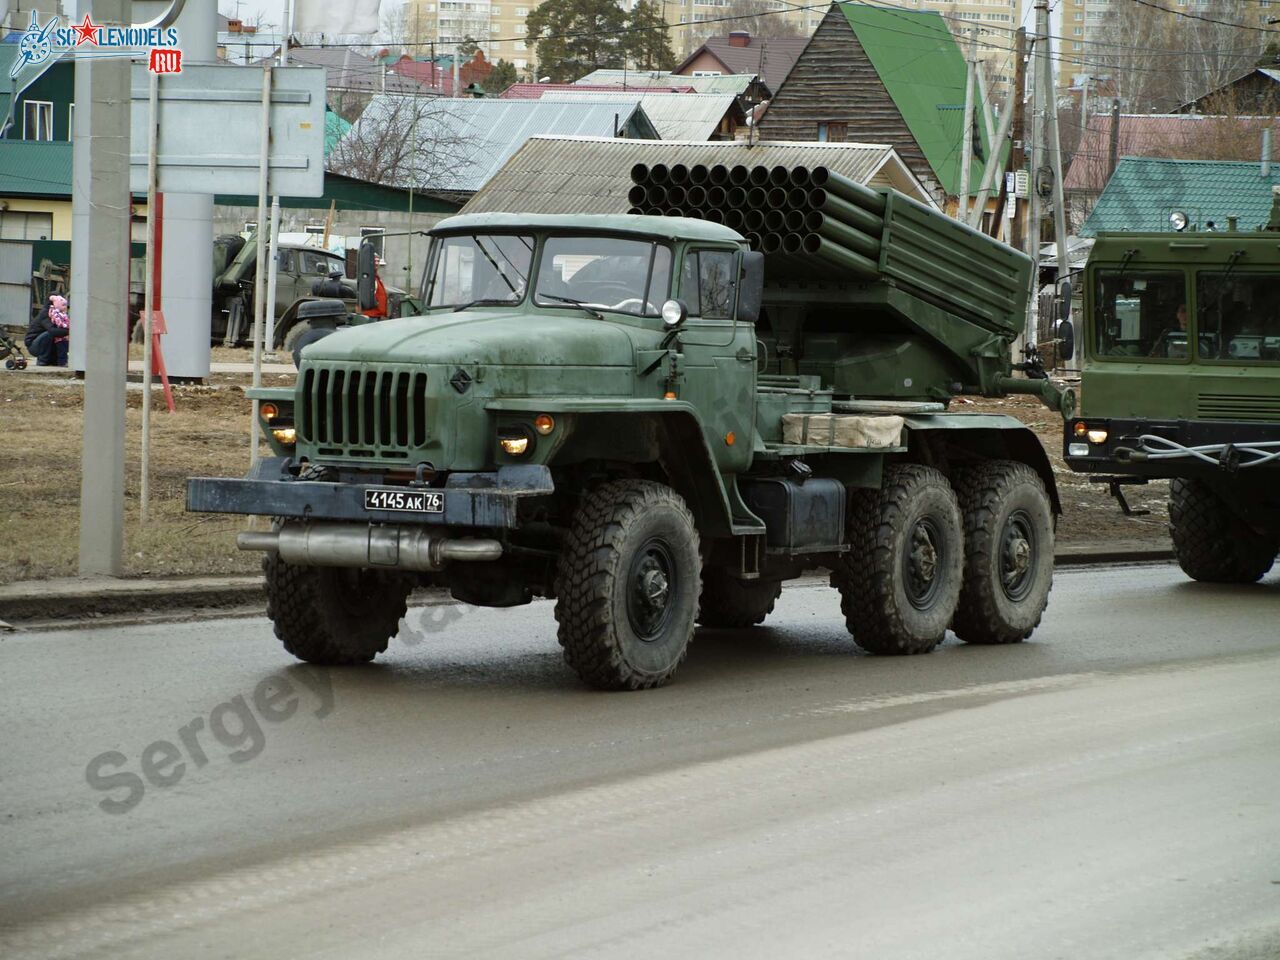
(645, 419)
(1180, 380)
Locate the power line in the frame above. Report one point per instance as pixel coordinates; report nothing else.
(1196, 16)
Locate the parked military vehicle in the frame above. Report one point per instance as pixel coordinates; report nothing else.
(656, 425)
(312, 295)
(1181, 380)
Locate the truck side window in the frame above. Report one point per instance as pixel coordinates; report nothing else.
(1142, 315)
(708, 283)
(1239, 316)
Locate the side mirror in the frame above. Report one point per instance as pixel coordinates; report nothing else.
(674, 313)
(751, 287)
(1067, 334)
(366, 269)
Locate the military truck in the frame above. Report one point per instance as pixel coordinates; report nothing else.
(647, 420)
(1180, 379)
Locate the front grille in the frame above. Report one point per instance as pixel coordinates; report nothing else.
(356, 411)
(1231, 406)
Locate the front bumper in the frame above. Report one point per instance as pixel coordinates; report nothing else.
(1123, 435)
(488, 500)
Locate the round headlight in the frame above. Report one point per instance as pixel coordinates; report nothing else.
(1178, 220)
(674, 313)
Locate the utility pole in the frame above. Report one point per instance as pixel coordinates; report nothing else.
(1017, 153)
(1054, 147)
(1039, 43)
(1114, 152)
(966, 131)
(270, 336)
(100, 288)
(1084, 107)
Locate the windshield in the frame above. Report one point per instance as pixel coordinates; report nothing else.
(490, 268)
(604, 273)
(1239, 317)
(1142, 315)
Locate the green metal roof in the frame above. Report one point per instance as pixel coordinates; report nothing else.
(1143, 192)
(35, 168)
(922, 68)
(335, 128)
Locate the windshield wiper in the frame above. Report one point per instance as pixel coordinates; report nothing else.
(580, 304)
(483, 302)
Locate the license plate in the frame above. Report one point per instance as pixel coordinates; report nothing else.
(405, 501)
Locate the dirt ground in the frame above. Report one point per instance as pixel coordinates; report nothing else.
(40, 416)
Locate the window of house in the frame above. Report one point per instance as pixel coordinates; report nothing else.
(706, 73)
(522, 11)
(37, 120)
(1077, 46)
(250, 226)
(25, 226)
(315, 229)
(1078, 31)
(833, 131)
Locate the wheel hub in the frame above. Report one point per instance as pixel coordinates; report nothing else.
(921, 563)
(1017, 556)
(650, 590)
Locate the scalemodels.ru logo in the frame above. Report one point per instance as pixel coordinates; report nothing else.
(89, 39)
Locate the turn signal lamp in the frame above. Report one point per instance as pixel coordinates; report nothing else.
(544, 424)
(1097, 436)
(1080, 429)
(269, 411)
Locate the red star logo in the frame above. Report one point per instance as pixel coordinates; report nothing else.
(88, 32)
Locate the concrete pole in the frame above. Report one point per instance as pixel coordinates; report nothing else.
(260, 268)
(149, 293)
(100, 292)
(1038, 43)
(1055, 162)
(966, 131)
(270, 337)
(989, 172)
(186, 279)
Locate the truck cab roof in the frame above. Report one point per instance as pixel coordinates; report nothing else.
(666, 228)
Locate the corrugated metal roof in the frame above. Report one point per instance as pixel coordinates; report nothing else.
(677, 116)
(579, 175)
(1143, 191)
(35, 168)
(536, 91)
(735, 84)
(483, 133)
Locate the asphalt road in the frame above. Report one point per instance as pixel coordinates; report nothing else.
(1109, 789)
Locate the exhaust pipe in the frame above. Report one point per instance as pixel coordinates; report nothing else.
(362, 545)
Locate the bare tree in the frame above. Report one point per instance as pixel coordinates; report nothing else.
(406, 141)
(1158, 60)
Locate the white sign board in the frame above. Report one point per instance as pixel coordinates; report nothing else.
(210, 130)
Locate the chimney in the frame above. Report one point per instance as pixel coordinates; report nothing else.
(234, 26)
(739, 38)
(1266, 152)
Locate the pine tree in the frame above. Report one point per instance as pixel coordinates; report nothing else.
(574, 37)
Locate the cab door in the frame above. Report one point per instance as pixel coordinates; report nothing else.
(719, 356)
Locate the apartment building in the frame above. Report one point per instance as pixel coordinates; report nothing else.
(498, 27)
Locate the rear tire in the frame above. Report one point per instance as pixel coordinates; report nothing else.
(1008, 552)
(731, 603)
(900, 582)
(1211, 543)
(628, 585)
(332, 615)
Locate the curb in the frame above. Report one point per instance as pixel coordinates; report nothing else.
(70, 599)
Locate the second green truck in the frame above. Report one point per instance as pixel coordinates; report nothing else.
(656, 421)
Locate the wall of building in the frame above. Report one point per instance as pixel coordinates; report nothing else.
(499, 27)
(59, 210)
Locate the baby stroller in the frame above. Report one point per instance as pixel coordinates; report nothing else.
(14, 358)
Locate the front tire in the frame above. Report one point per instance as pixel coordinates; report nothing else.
(731, 603)
(332, 615)
(900, 582)
(1008, 552)
(628, 585)
(1211, 543)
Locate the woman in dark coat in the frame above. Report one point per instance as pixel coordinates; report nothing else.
(45, 339)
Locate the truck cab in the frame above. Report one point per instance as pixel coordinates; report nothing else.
(1180, 379)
